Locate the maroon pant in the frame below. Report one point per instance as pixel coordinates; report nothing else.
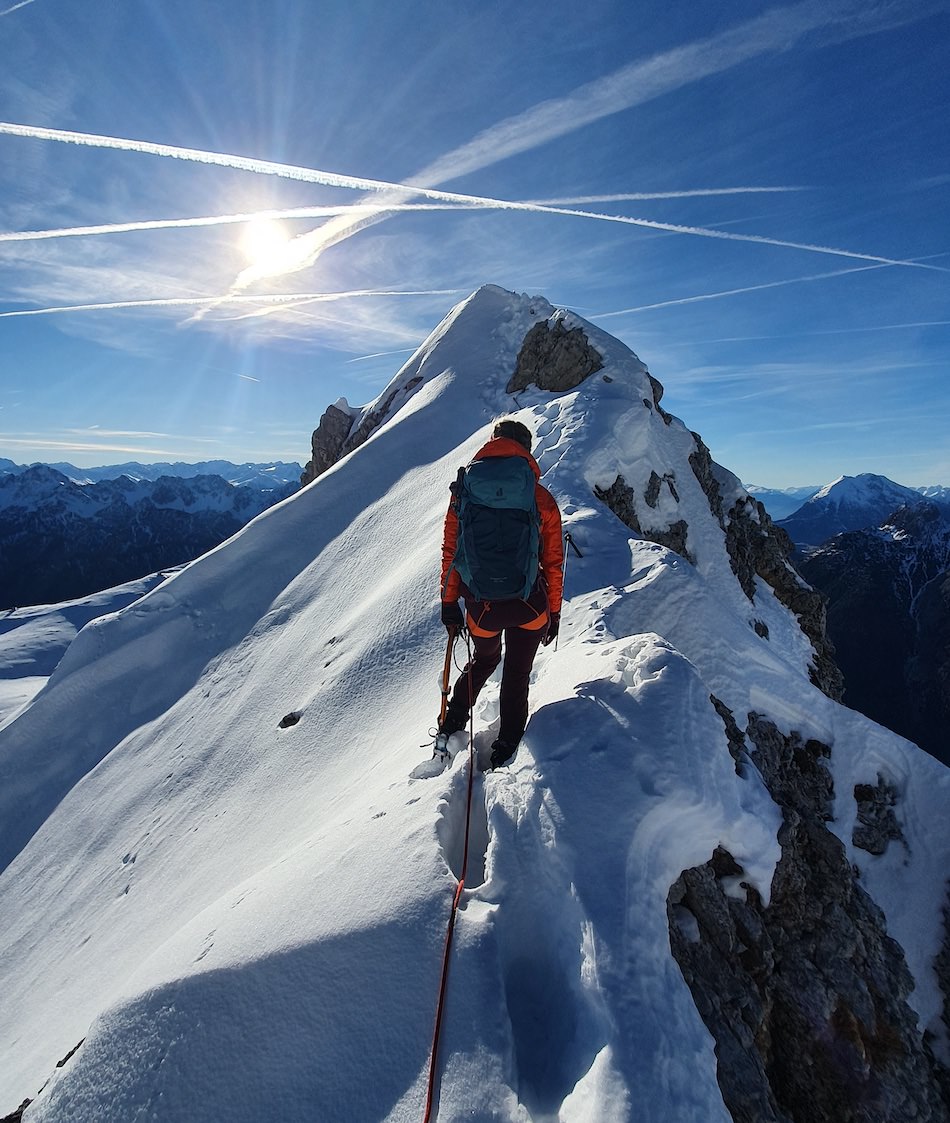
(521, 646)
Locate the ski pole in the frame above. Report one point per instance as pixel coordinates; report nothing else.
(569, 540)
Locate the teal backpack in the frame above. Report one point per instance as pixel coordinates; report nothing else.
(497, 553)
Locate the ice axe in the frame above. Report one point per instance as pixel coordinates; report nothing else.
(441, 739)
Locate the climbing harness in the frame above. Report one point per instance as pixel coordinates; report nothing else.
(447, 950)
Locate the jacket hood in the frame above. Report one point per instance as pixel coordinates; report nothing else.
(505, 446)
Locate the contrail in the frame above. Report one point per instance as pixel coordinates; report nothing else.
(799, 334)
(636, 196)
(735, 292)
(16, 7)
(289, 299)
(774, 31)
(334, 179)
(325, 211)
(381, 355)
(332, 210)
(223, 160)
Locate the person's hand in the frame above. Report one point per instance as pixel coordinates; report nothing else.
(553, 624)
(452, 615)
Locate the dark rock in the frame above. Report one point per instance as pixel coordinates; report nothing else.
(16, 1116)
(756, 548)
(806, 998)
(327, 443)
(942, 971)
(622, 501)
(877, 825)
(554, 357)
(759, 548)
(655, 483)
(330, 443)
(372, 421)
(734, 735)
(701, 461)
(657, 388)
(888, 615)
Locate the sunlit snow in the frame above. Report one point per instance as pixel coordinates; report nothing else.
(244, 922)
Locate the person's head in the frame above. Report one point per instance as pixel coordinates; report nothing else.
(514, 430)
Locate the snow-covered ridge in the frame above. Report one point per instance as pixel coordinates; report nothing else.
(241, 919)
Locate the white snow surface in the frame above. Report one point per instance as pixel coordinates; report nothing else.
(244, 922)
(33, 640)
(863, 490)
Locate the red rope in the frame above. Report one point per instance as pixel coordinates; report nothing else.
(446, 952)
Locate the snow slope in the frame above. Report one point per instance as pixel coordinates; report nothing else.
(246, 922)
(34, 640)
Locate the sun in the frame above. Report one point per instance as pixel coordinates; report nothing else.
(263, 241)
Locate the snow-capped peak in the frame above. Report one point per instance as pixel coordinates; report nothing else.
(239, 915)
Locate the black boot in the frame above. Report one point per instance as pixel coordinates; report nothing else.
(456, 718)
(502, 752)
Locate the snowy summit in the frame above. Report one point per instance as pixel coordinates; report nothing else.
(682, 901)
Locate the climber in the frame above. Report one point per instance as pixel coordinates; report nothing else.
(502, 552)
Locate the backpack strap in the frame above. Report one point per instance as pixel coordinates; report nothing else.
(456, 489)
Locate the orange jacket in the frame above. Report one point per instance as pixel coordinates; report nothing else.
(550, 545)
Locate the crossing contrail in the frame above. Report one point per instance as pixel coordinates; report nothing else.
(289, 299)
(748, 288)
(638, 196)
(774, 31)
(332, 210)
(735, 292)
(335, 179)
(324, 211)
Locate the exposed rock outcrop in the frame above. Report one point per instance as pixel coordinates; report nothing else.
(759, 548)
(756, 548)
(806, 997)
(554, 357)
(620, 498)
(888, 594)
(327, 443)
(335, 436)
(877, 825)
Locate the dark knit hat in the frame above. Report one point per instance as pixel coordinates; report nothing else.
(515, 431)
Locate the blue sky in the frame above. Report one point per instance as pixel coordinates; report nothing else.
(747, 141)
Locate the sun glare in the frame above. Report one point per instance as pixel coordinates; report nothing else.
(262, 240)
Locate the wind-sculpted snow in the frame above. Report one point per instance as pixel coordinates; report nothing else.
(243, 918)
(34, 640)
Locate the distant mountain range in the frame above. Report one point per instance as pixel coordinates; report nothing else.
(878, 550)
(262, 476)
(852, 503)
(880, 553)
(61, 539)
(782, 502)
